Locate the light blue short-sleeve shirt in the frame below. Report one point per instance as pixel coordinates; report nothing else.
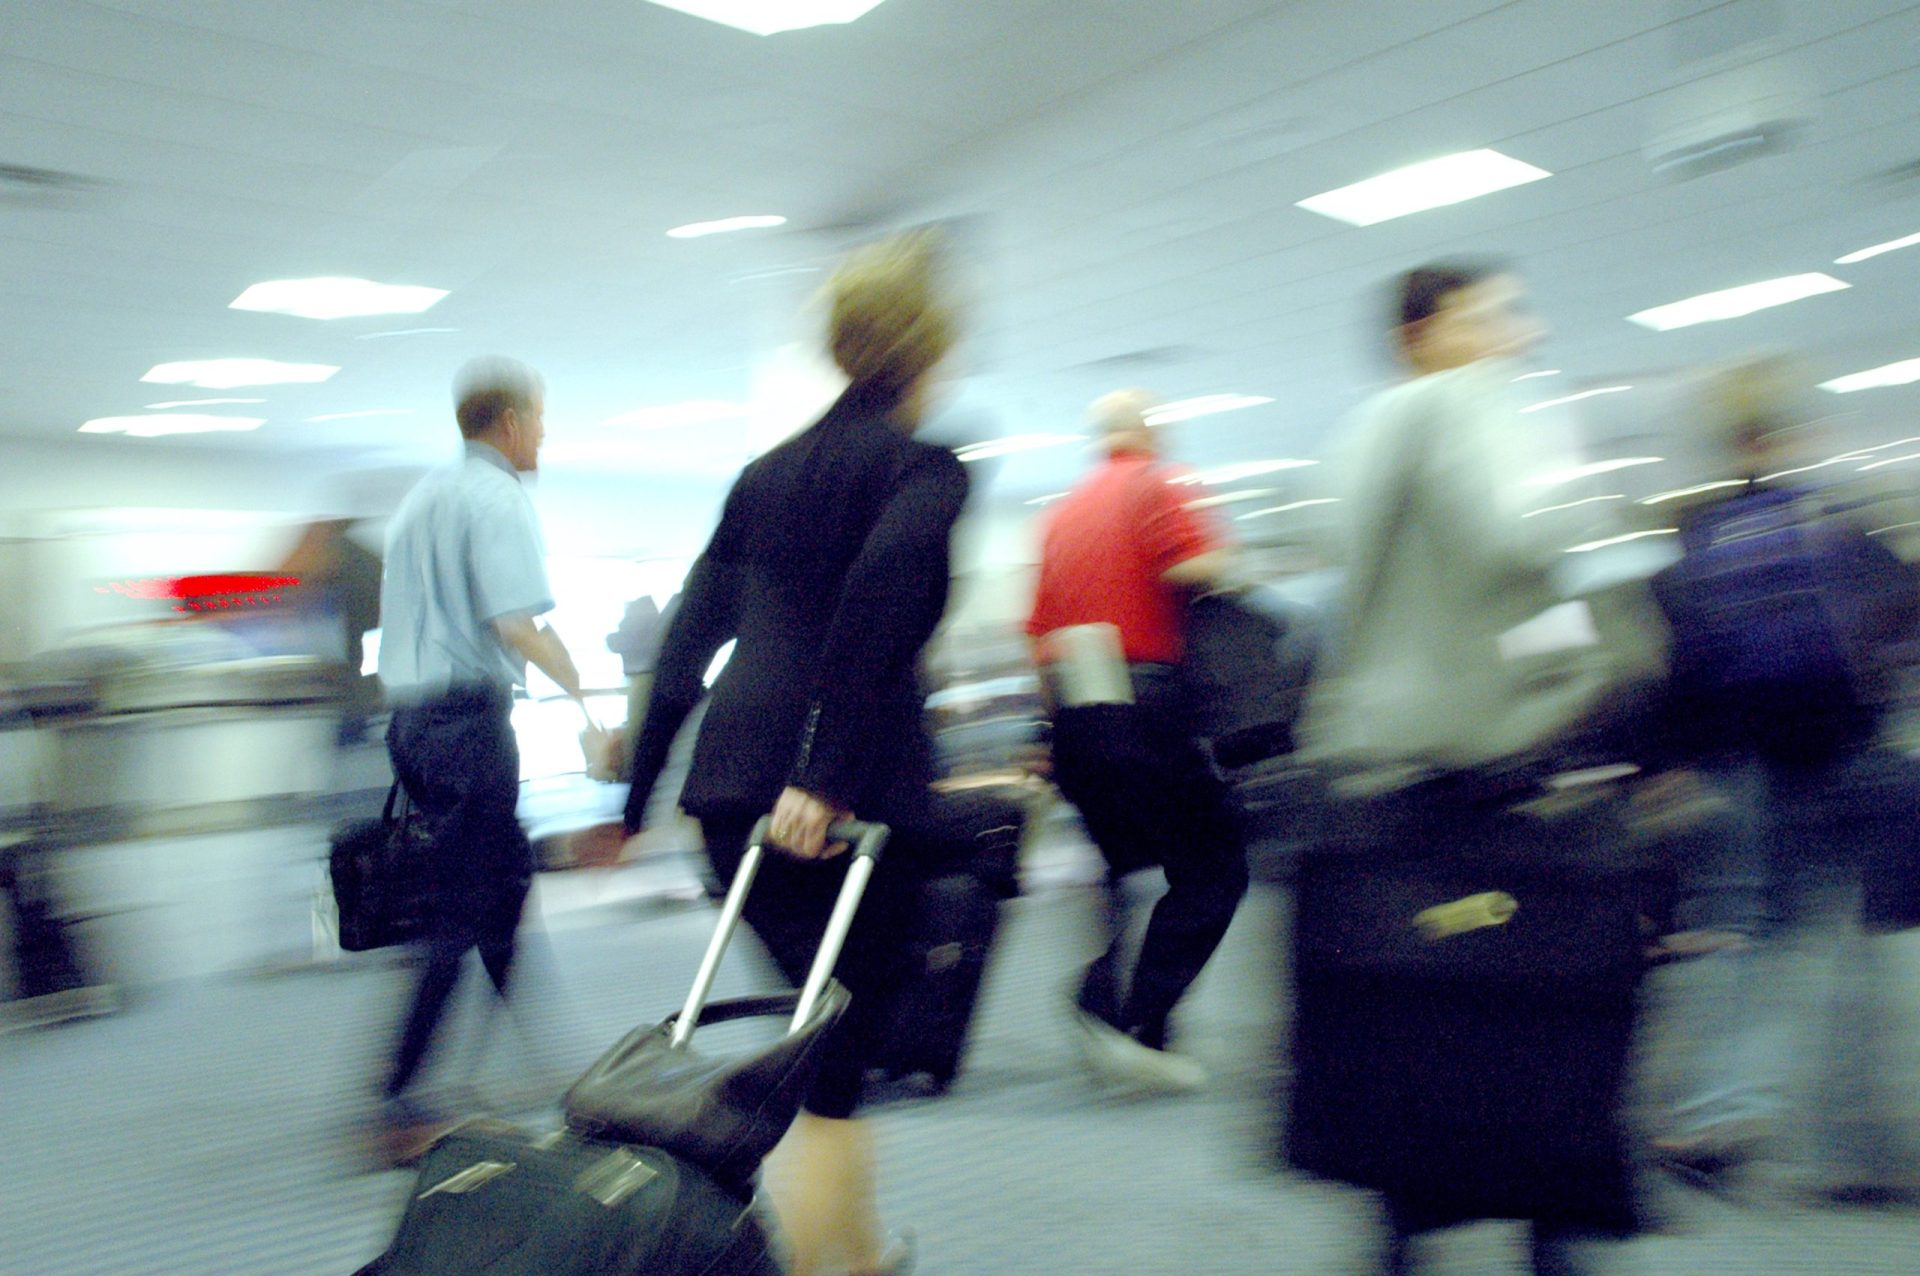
(464, 551)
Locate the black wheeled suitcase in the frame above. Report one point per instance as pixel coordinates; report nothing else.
(957, 916)
(495, 1200)
(1465, 978)
(955, 920)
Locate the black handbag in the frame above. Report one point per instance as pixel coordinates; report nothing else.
(725, 1114)
(382, 877)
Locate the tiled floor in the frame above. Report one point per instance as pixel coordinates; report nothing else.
(208, 1128)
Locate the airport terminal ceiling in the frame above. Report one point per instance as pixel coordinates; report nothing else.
(1122, 180)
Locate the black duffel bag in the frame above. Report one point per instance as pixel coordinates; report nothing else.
(382, 878)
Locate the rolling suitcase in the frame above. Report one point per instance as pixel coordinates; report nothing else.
(655, 1171)
(1465, 979)
(955, 919)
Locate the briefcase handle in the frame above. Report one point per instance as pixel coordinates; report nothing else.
(867, 841)
(397, 793)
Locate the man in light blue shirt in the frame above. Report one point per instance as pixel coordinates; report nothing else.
(465, 579)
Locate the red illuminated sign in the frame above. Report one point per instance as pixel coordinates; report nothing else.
(216, 592)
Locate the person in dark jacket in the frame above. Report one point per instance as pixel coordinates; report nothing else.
(829, 570)
(1807, 1008)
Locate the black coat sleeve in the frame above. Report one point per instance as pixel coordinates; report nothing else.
(707, 617)
(889, 605)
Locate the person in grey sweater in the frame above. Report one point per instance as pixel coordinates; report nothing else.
(1461, 661)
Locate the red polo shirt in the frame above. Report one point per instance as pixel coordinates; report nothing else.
(1106, 546)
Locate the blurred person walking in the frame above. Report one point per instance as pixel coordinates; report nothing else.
(1784, 611)
(829, 569)
(1464, 972)
(465, 579)
(1121, 557)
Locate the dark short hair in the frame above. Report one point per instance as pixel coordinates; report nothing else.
(1419, 294)
(486, 388)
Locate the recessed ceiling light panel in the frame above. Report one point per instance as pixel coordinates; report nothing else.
(726, 225)
(1575, 398)
(1012, 443)
(399, 332)
(1892, 245)
(231, 374)
(1205, 405)
(1573, 474)
(1905, 372)
(1290, 506)
(767, 17)
(1242, 470)
(163, 423)
(1434, 183)
(196, 403)
(336, 298)
(355, 416)
(1732, 303)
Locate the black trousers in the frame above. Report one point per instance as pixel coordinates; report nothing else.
(459, 762)
(1147, 797)
(788, 909)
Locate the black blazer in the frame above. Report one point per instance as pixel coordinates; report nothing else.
(830, 567)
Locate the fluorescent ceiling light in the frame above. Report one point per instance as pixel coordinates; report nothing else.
(152, 427)
(1575, 398)
(1892, 245)
(767, 17)
(399, 332)
(1013, 443)
(1732, 303)
(1553, 509)
(1232, 498)
(668, 416)
(196, 403)
(335, 297)
(1590, 546)
(1205, 405)
(352, 416)
(1661, 498)
(1242, 470)
(1575, 473)
(231, 374)
(1905, 372)
(1892, 460)
(1434, 183)
(1544, 372)
(1291, 505)
(1842, 459)
(1878, 447)
(694, 230)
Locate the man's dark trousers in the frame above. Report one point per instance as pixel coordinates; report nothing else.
(458, 760)
(1147, 797)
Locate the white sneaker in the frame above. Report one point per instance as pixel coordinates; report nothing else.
(1118, 1058)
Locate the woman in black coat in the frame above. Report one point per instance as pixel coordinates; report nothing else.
(829, 570)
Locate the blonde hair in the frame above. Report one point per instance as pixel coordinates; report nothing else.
(887, 320)
(1754, 400)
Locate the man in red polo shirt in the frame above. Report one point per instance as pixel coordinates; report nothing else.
(1125, 550)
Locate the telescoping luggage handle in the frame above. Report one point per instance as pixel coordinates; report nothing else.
(866, 840)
